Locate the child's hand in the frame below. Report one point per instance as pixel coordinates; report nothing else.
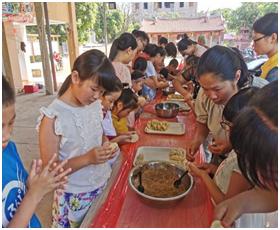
(36, 168)
(124, 138)
(99, 155)
(195, 170)
(43, 180)
(141, 101)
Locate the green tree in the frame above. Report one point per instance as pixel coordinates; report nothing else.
(59, 29)
(246, 14)
(86, 13)
(118, 22)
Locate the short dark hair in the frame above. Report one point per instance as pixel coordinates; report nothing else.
(171, 49)
(184, 43)
(141, 34)
(117, 86)
(90, 64)
(136, 74)
(192, 60)
(140, 64)
(128, 98)
(238, 102)
(8, 94)
(164, 72)
(223, 62)
(254, 137)
(162, 40)
(174, 62)
(152, 50)
(267, 25)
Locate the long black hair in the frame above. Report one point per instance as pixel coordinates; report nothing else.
(93, 63)
(123, 42)
(254, 137)
(8, 94)
(267, 25)
(223, 62)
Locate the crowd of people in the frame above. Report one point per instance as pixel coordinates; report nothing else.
(98, 103)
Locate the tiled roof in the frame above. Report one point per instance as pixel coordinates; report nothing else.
(183, 25)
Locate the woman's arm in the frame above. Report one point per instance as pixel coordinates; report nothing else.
(178, 85)
(201, 132)
(154, 83)
(237, 184)
(256, 200)
(49, 144)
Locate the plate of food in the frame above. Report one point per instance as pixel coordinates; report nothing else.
(164, 127)
(175, 97)
(150, 153)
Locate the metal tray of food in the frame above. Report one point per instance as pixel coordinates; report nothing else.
(150, 153)
(165, 127)
(183, 106)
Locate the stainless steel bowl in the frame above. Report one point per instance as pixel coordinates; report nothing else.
(168, 90)
(167, 109)
(133, 179)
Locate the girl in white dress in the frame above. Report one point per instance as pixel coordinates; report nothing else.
(72, 127)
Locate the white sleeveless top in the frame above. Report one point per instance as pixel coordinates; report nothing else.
(80, 130)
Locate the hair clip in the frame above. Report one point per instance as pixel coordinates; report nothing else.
(126, 87)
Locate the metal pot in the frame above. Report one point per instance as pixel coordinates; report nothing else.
(159, 202)
(167, 109)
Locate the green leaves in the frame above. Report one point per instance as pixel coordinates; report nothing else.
(247, 14)
(86, 15)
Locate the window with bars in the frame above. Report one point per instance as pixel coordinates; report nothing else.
(145, 5)
(181, 4)
(167, 4)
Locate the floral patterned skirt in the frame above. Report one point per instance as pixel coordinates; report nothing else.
(69, 209)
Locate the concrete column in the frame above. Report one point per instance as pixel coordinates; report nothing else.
(39, 10)
(10, 49)
(211, 39)
(23, 57)
(72, 35)
(219, 37)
